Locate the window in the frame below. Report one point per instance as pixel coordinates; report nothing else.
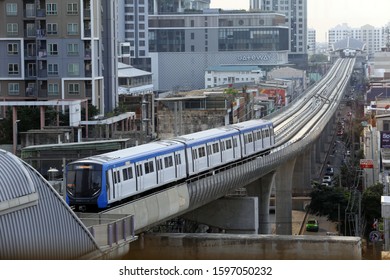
(13, 69)
(51, 9)
(168, 161)
(235, 142)
(74, 88)
(73, 29)
(139, 170)
(127, 173)
(13, 48)
(52, 89)
(215, 148)
(12, 29)
(202, 152)
(194, 154)
(159, 164)
(12, 9)
(72, 9)
(52, 29)
(13, 89)
(52, 69)
(52, 49)
(73, 69)
(178, 159)
(149, 167)
(73, 49)
(228, 144)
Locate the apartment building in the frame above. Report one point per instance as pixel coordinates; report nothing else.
(371, 36)
(56, 50)
(296, 19)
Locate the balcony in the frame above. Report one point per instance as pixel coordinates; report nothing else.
(87, 13)
(41, 13)
(41, 33)
(87, 32)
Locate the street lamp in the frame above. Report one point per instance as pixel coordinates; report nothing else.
(15, 135)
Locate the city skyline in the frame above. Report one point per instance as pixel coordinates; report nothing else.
(326, 14)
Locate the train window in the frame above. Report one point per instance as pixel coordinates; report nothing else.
(114, 176)
(235, 142)
(258, 135)
(125, 175)
(194, 154)
(168, 161)
(209, 150)
(223, 146)
(228, 144)
(267, 133)
(118, 176)
(178, 159)
(149, 167)
(250, 138)
(159, 164)
(215, 148)
(139, 170)
(130, 172)
(202, 152)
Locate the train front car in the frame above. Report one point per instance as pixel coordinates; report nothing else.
(84, 185)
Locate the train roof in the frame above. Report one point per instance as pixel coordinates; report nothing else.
(137, 153)
(250, 125)
(200, 137)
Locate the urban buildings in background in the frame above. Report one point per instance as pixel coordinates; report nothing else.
(372, 37)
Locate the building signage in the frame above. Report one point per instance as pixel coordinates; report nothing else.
(255, 57)
(366, 164)
(385, 139)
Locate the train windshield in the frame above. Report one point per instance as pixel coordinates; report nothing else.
(83, 180)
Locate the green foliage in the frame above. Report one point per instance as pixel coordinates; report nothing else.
(325, 201)
(371, 205)
(318, 58)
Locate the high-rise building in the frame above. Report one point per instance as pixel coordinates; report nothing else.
(57, 50)
(311, 41)
(255, 5)
(296, 19)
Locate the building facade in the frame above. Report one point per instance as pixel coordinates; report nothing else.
(312, 41)
(372, 37)
(183, 46)
(52, 50)
(296, 20)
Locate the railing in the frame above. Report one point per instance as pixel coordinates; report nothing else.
(109, 229)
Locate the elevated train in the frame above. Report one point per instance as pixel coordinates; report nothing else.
(103, 180)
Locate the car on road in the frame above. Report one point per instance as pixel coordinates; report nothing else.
(329, 171)
(327, 179)
(312, 225)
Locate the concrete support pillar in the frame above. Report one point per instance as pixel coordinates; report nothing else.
(302, 174)
(283, 196)
(261, 188)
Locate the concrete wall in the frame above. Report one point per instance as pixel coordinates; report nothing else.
(245, 247)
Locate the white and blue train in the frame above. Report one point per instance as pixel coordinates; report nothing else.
(103, 180)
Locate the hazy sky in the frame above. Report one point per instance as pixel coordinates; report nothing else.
(326, 14)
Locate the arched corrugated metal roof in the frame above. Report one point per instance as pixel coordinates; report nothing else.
(35, 222)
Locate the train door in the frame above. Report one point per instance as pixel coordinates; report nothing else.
(160, 171)
(110, 185)
(140, 176)
(118, 183)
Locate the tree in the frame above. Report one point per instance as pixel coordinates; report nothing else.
(371, 205)
(329, 202)
(231, 94)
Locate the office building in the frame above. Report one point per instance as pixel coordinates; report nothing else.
(184, 45)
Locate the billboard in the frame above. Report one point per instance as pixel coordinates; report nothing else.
(366, 164)
(277, 94)
(385, 139)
